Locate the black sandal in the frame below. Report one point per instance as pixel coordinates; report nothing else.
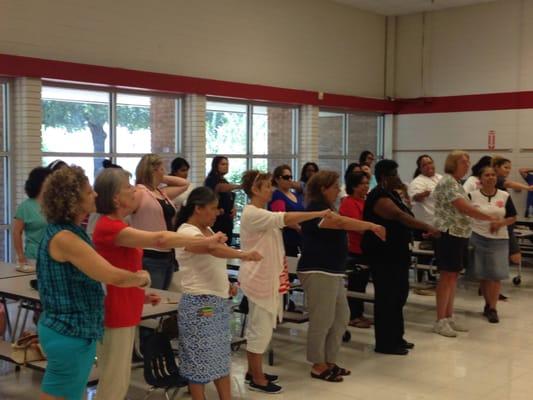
(340, 371)
(328, 375)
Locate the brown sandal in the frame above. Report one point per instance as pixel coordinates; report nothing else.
(340, 371)
(328, 375)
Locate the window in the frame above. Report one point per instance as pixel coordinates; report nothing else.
(251, 136)
(5, 193)
(343, 136)
(84, 127)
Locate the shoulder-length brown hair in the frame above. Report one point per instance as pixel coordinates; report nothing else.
(63, 194)
(321, 180)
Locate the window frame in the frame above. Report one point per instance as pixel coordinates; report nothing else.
(345, 157)
(113, 154)
(249, 155)
(7, 159)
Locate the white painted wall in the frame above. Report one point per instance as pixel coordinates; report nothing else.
(476, 49)
(438, 134)
(483, 48)
(303, 44)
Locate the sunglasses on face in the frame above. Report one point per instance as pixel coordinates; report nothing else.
(286, 177)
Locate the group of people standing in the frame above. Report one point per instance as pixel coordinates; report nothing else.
(142, 232)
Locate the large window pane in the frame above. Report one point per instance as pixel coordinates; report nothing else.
(260, 163)
(129, 164)
(330, 134)
(146, 124)
(226, 127)
(331, 165)
(75, 121)
(362, 134)
(87, 163)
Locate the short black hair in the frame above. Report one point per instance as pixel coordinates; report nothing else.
(56, 164)
(177, 164)
(384, 168)
(109, 164)
(353, 180)
(349, 170)
(478, 167)
(35, 181)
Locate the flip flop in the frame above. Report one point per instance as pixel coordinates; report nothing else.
(328, 375)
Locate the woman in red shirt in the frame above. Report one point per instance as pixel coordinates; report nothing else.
(122, 246)
(352, 206)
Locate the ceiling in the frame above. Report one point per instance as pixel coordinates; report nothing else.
(399, 7)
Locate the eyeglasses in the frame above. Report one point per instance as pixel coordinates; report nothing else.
(286, 177)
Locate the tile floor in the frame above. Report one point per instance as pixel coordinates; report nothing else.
(491, 362)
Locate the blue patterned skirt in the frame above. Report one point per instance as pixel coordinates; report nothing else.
(204, 338)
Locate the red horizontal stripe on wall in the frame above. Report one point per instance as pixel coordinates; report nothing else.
(17, 66)
(473, 102)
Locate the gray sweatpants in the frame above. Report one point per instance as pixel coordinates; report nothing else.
(329, 315)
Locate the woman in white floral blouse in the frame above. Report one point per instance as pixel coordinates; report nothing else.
(452, 212)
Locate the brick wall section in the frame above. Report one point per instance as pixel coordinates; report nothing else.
(194, 136)
(26, 133)
(330, 135)
(163, 128)
(308, 135)
(362, 134)
(279, 136)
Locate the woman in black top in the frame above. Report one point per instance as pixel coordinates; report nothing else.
(321, 270)
(226, 198)
(390, 259)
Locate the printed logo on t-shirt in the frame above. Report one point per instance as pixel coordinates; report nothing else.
(500, 203)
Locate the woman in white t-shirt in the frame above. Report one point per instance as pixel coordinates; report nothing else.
(489, 263)
(472, 183)
(421, 189)
(203, 311)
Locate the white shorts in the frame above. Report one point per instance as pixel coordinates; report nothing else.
(259, 328)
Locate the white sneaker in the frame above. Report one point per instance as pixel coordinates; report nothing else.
(443, 328)
(457, 326)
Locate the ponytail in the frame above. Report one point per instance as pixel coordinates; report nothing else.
(201, 196)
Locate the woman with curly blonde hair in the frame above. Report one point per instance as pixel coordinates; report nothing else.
(69, 272)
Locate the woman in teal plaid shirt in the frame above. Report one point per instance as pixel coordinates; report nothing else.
(69, 273)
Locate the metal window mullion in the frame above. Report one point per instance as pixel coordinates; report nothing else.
(345, 127)
(295, 138)
(380, 136)
(249, 136)
(178, 124)
(113, 124)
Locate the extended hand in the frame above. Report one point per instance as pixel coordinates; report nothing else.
(145, 278)
(251, 256)
(379, 231)
(218, 238)
(152, 298)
